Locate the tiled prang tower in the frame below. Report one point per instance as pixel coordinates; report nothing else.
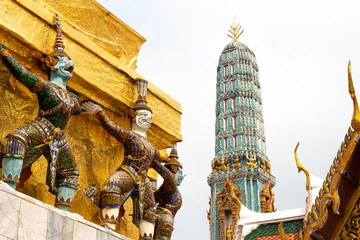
(241, 173)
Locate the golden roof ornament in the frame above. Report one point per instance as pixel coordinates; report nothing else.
(234, 31)
(282, 234)
(232, 191)
(301, 168)
(308, 187)
(355, 122)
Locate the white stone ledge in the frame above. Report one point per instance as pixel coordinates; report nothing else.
(23, 217)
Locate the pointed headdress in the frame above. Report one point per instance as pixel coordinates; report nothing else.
(141, 103)
(173, 158)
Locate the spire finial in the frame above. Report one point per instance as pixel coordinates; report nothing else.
(58, 41)
(234, 31)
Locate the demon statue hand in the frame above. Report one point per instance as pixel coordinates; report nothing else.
(45, 135)
(168, 195)
(130, 179)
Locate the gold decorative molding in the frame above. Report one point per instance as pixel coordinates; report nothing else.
(228, 202)
(351, 230)
(267, 198)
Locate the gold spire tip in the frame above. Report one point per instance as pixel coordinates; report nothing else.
(235, 31)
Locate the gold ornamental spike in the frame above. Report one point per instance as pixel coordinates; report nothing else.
(234, 31)
(58, 41)
(281, 231)
(301, 168)
(355, 121)
(232, 192)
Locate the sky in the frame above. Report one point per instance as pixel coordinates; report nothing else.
(302, 49)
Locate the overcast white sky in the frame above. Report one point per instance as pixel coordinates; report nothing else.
(302, 49)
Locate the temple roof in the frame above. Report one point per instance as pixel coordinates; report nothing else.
(258, 225)
(336, 209)
(270, 231)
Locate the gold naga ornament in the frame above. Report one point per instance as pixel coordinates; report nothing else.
(301, 168)
(307, 174)
(355, 121)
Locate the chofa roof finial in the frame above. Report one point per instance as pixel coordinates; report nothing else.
(355, 121)
(301, 168)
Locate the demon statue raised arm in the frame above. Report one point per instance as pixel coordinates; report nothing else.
(131, 177)
(45, 135)
(168, 195)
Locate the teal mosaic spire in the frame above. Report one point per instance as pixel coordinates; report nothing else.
(240, 144)
(239, 125)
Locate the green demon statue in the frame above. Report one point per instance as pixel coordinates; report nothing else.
(45, 135)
